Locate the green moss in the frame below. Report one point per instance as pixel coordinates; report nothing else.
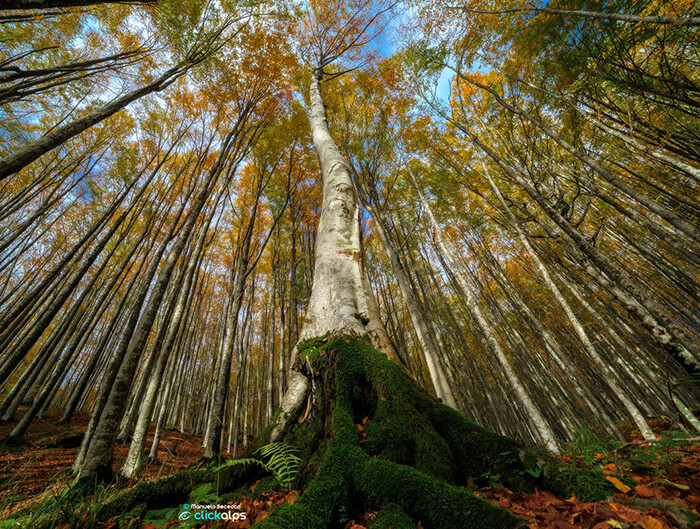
(171, 490)
(398, 431)
(392, 517)
(478, 451)
(132, 518)
(586, 484)
(292, 517)
(312, 356)
(435, 503)
(266, 485)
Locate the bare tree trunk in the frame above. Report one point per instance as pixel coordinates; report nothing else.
(415, 311)
(48, 4)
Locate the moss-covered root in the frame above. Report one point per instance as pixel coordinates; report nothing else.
(434, 503)
(477, 452)
(392, 517)
(170, 490)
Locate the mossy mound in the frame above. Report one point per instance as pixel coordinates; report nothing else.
(389, 446)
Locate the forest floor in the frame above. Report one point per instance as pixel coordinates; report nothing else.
(653, 473)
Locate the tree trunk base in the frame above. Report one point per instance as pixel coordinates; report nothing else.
(375, 442)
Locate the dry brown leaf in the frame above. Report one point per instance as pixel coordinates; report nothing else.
(644, 492)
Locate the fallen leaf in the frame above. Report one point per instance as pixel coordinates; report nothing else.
(649, 522)
(618, 484)
(693, 499)
(644, 492)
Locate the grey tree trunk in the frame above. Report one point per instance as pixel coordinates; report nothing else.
(415, 311)
(22, 157)
(545, 432)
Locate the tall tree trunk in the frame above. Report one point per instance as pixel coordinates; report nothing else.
(415, 311)
(48, 4)
(15, 161)
(337, 303)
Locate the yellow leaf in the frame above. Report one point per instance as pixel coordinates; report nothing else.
(679, 486)
(618, 484)
(649, 522)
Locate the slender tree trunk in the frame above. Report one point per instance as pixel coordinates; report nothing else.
(17, 160)
(415, 311)
(48, 4)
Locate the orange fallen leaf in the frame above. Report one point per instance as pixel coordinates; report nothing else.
(693, 499)
(292, 498)
(644, 492)
(649, 522)
(618, 484)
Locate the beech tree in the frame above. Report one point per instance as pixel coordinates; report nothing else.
(419, 244)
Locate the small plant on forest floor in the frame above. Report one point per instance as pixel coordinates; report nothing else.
(660, 455)
(589, 447)
(494, 479)
(280, 460)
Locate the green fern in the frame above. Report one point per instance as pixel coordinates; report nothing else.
(280, 461)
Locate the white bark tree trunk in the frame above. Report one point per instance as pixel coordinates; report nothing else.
(337, 304)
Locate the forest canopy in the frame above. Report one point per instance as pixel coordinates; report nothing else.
(202, 203)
